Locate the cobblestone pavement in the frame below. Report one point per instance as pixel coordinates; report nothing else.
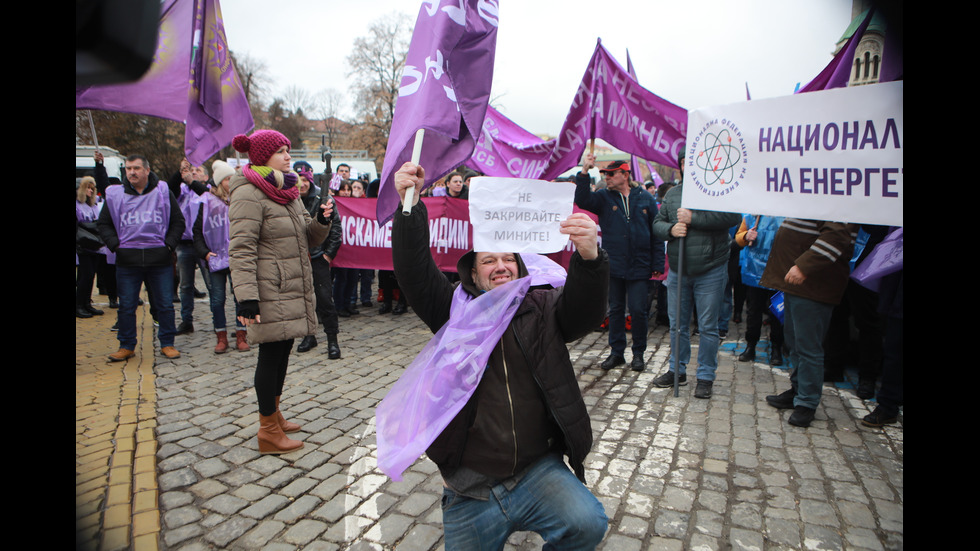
(672, 472)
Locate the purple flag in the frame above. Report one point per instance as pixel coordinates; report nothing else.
(634, 160)
(191, 80)
(505, 149)
(611, 105)
(444, 89)
(838, 72)
(886, 258)
(218, 109)
(162, 91)
(892, 57)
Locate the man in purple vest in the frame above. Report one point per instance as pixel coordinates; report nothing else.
(141, 223)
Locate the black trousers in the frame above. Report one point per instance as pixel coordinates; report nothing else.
(270, 373)
(323, 288)
(757, 306)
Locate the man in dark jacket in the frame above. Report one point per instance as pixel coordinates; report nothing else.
(707, 248)
(810, 264)
(626, 212)
(507, 442)
(142, 224)
(320, 258)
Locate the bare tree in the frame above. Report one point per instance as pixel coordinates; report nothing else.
(291, 123)
(160, 140)
(376, 64)
(328, 106)
(296, 99)
(254, 75)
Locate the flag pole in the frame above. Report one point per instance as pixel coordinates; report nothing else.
(91, 124)
(677, 316)
(416, 154)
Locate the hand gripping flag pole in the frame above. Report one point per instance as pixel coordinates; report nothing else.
(416, 153)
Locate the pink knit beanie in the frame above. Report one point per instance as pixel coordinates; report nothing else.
(261, 145)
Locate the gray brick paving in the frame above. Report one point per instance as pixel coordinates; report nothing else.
(672, 473)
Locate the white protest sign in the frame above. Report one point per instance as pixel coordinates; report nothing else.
(518, 215)
(829, 155)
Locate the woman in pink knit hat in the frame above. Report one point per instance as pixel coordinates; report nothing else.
(271, 235)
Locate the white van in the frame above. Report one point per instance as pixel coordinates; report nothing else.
(115, 162)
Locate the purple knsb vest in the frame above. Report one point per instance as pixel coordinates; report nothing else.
(189, 203)
(141, 220)
(217, 231)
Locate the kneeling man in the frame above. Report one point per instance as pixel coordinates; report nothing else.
(502, 456)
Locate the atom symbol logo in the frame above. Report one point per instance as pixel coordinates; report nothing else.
(718, 159)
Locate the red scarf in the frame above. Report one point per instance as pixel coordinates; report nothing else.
(287, 193)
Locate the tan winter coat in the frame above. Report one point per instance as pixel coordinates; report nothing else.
(270, 261)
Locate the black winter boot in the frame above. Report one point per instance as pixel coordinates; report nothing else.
(333, 349)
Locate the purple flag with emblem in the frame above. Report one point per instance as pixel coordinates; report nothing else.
(507, 150)
(838, 71)
(191, 80)
(445, 89)
(610, 104)
(162, 91)
(217, 109)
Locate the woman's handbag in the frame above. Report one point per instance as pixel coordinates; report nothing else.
(87, 237)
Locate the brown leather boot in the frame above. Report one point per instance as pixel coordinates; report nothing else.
(272, 440)
(121, 355)
(222, 345)
(286, 425)
(241, 342)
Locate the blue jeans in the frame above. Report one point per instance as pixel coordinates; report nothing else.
(159, 282)
(805, 326)
(633, 292)
(220, 281)
(549, 500)
(725, 307)
(705, 292)
(365, 278)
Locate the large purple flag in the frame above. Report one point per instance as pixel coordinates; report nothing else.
(444, 89)
(218, 108)
(505, 149)
(191, 80)
(611, 105)
(162, 91)
(634, 160)
(838, 71)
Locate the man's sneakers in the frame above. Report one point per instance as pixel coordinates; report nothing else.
(879, 418)
(637, 364)
(782, 401)
(666, 379)
(612, 361)
(703, 389)
(802, 416)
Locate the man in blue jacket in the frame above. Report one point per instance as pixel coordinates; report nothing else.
(626, 212)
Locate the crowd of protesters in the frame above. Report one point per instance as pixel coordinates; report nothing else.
(739, 281)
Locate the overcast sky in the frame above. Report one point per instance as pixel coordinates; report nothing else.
(693, 53)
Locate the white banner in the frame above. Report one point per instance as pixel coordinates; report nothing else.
(829, 155)
(518, 215)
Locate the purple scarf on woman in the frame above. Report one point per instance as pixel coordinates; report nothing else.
(264, 178)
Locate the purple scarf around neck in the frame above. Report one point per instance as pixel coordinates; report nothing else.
(287, 193)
